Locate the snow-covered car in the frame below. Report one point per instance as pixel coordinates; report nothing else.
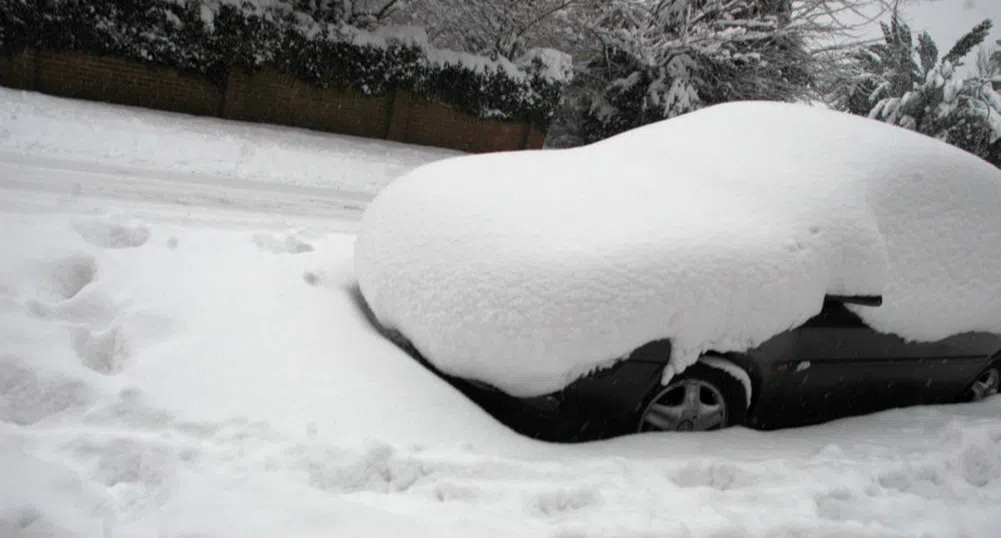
(830, 367)
(680, 275)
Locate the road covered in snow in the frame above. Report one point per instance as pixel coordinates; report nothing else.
(183, 353)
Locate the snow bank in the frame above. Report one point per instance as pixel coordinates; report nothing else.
(718, 229)
(198, 384)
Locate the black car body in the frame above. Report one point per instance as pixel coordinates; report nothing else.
(830, 367)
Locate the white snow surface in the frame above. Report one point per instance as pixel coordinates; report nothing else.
(180, 361)
(717, 229)
(32, 124)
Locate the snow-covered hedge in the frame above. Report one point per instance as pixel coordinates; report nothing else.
(212, 37)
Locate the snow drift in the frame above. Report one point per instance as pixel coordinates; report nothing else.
(717, 229)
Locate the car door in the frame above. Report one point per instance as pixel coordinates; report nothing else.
(846, 368)
(944, 376)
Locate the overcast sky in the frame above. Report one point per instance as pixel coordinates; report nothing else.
(947, 20)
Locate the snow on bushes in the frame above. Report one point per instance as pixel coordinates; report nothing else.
(717, 229)
(211, 37)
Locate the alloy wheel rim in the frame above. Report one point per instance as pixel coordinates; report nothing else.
(987, 384)
(685, 405)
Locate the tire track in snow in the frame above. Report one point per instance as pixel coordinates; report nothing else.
(125, 183)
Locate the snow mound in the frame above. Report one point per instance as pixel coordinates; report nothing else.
(109, 234)
(717, 229)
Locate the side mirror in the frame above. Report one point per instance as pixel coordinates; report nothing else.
(861, 300)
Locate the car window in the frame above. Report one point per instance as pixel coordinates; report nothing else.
(835, 314)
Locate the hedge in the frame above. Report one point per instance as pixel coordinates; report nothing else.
(211, 39)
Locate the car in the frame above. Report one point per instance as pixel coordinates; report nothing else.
(833, 366)
(762, 264)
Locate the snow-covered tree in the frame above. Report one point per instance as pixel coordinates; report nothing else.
(903, 81)
(357, 13)
(989, 73)
(497, 28)
(989, 62)
(662, 58)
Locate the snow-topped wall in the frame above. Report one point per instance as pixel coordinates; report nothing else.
(214, 37)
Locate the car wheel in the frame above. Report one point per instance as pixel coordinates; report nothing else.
(700, 399)
(987, 384)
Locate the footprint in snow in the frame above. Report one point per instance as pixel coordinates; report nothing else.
(719, 476)
(377, 469)
(103, 335)
(108, 349)
(65, 291)
(70, 275)
(565, 501)
(140, 471)
(109, 234)
(311, 277)
(287, 243)
(28, 395)
(841, 504)
(103, 351)
(68, 295)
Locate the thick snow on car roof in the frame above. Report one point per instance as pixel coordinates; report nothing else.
(717, 229)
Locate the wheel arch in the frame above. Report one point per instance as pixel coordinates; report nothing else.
(993, 362)
(744, 363)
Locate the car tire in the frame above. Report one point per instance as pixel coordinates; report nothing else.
(986, 384)
(702, 398)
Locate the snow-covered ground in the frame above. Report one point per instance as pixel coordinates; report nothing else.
(182, 353)
(201, 149)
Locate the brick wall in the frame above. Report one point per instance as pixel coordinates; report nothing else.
(116, 80)
(18, 72)
(434, 124)
(266, 96)
(271, 97)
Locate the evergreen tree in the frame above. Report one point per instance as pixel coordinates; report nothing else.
(668, 57)
(905, 82)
